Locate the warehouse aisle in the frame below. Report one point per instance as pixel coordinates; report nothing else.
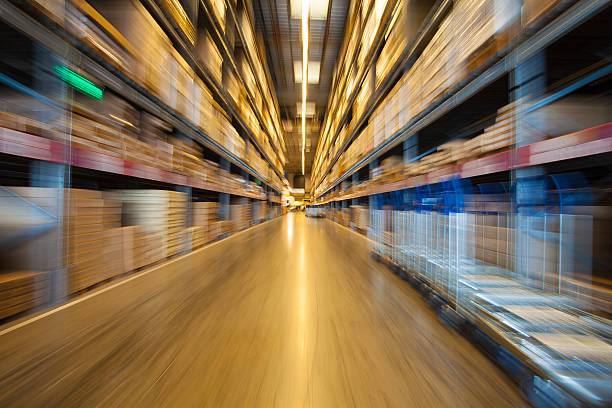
(291, 313)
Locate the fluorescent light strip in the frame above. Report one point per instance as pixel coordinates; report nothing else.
(305, 4)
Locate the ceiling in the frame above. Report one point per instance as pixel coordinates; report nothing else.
(283, 44)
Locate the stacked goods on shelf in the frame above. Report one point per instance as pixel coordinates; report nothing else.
(118, 134)
(253, 187)
(360, 217)
(433, 69)
(391, 169)
(177, 223)
(241, 216)
(493, 232)
(231, 181)
(395, 42)
(369, 31)
(378, 125)
(220, 120)
(218, 7)
(203, 116)
(180, 77)
(444, 156)
(145, 39)
(195, 238)
(532, 10)
(136, 247)
(21, 123)
(231, 85)
(342, 216)
(168, 75)
(175, 9)
(260, 211)
(233, 142)
(501, 135)
(222, 229)
(92, 238)
(497, 23)
(407, 19)
(362, 101)
(23, 290)
(249, 37)
(204, 218)
(155, 132)
(92, 135)
(187, 158)
(209, 54)
(28, 225)
(263, 95)
(249, 80)
(93, 30)
(254, 159)
(248, 115)
(163, 214)
(485, 27)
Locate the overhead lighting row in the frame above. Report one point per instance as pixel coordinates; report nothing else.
(305, 4)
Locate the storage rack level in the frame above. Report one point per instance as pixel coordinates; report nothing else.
(520, 50)
(186, 50)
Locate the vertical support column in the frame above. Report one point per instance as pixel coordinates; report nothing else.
(48, 251)
(528, 81)
(371, 201)
(224, 198)
(187, 191)
(268, 203)
(411, 148)
(44, 252)
(355, 182)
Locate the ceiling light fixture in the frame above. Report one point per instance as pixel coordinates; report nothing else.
(304, 73)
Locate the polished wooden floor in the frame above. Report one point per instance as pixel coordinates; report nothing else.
(293, 313)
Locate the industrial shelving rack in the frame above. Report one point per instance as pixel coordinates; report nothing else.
(46, 32)
(28, 159)
(187, 52)
(394, 217)
(522, 48)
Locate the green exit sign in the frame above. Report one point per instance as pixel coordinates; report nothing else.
(79, 82)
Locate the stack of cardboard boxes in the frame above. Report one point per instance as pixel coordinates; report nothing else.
(204, 217)
(240, 215)
(162, 214)
(23, 290)
(92, 238)
(209, 54)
